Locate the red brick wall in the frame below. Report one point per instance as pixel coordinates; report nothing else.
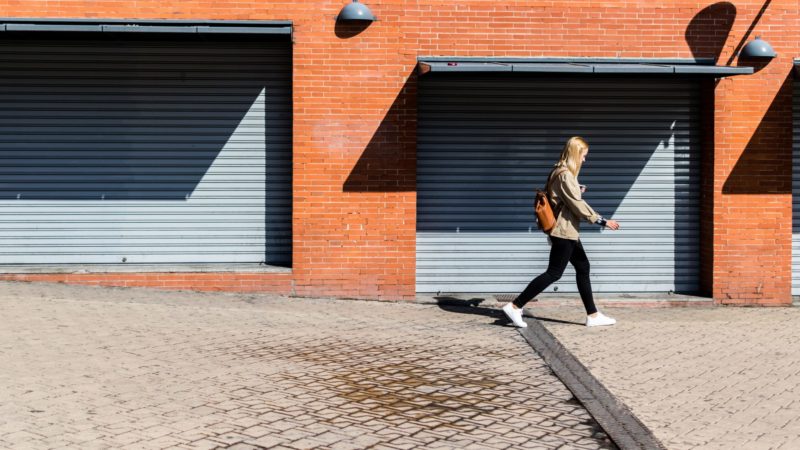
(752, 178)
(753, 204)
(355, 122)
(230, 282)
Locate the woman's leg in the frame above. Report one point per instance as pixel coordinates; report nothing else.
(581, 264)
(560, 253)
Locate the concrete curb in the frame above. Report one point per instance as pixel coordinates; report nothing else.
(573, 299)
(617, 420)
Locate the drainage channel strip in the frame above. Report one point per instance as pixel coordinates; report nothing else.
(617, 420)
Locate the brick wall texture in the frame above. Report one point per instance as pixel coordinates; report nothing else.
(355, 124)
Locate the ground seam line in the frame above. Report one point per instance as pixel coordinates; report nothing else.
(616, 419)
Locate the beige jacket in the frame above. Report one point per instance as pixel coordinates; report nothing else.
(565, 189)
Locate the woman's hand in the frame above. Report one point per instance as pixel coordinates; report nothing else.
(612, 224)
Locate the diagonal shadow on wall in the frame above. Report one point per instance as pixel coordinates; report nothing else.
(764, 166)
(388, 162)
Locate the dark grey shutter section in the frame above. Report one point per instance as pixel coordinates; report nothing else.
(486, 142)
(796, 190)
(147, 151)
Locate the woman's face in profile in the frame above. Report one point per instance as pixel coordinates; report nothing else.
(583, 155)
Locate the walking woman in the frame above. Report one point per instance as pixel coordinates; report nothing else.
(565, 243)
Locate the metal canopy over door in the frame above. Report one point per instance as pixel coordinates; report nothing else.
(156, 149)
(486, 142)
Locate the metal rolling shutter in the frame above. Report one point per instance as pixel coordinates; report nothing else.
(485, 142)
(796, 190)
(148, 150)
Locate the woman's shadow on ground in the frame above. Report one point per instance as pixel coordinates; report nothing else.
(472, 306)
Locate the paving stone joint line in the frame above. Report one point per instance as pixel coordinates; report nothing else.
(619, 422)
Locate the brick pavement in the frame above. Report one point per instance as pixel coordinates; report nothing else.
(699, 378)
(90, 368)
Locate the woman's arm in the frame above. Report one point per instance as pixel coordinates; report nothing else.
(569, 192)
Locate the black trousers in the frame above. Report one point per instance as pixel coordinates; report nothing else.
(561, 252)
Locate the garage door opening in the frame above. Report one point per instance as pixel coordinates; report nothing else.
(134, 149)
(487, 141)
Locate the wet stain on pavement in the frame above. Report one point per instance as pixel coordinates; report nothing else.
(414, 390)
(417, 392)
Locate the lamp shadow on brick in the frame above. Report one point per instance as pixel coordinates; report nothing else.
(388, 163)
(762, 168)
(756, 63)
(346, 30)
(709, 29)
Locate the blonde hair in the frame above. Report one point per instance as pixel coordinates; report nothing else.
(571, 155)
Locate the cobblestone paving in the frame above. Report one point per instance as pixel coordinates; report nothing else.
(699, 378)
(91, 368)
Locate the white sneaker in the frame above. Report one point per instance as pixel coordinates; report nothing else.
(599, 320)
(515, 315)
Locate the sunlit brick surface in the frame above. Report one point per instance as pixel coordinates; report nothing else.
(85, 367)
(699, 378)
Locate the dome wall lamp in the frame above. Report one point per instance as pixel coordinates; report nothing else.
(356, 11)
(758, 48)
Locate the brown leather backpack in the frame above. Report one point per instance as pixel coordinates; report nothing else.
(546, 215)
